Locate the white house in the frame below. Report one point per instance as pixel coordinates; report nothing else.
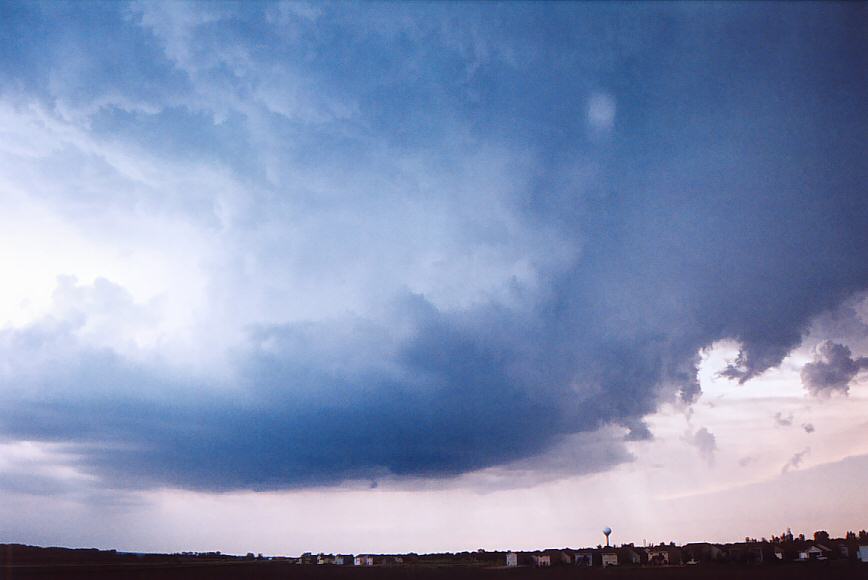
(863, 554)
(363, 561)
(815, 552)
(511, 560)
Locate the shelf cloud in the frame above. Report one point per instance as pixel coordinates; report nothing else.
(277, 247)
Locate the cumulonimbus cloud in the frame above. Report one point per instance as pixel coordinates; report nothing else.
(389, 282)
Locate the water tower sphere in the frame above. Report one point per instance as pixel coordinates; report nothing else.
(607, 530)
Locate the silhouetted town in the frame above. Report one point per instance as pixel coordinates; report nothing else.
(784, 548)
(788, 549)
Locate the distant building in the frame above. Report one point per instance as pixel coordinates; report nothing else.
(629, 555)
(306, 558)
(558, 557)
(343, 560)
(584, 558)
(703, 552)
(542, 560)
(815, 551)
(514, 559)
(752, 552)
(609, 558)
(362, 560)
(862, 554)
(664, 555)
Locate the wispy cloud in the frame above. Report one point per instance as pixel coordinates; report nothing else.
(783, 421)
(796, 460)
(705, 443)
(601, 112)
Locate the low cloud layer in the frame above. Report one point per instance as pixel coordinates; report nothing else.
(337, 260)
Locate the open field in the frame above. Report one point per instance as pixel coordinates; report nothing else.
(287, 571)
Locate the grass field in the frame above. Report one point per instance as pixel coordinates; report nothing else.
(287, 571)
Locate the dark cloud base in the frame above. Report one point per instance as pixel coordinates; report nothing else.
(730, 204)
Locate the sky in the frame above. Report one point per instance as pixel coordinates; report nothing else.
(371, 277)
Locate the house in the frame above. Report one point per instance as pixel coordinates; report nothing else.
(609, 557)
(514, 559)
(752, 552)
(843, 550)
(664, 555)
(325, 559)
(627, 554)
(826, 548)
(703, 552)
(584, 558)
(542, 560)
(343, 560)
(815, 551)
(558, 557)
(362, 560)
(862, 554)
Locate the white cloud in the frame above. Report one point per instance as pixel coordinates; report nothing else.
(601, 112)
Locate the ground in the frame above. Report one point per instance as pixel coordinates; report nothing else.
(286, 571)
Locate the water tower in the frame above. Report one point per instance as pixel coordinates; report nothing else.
(607, 530)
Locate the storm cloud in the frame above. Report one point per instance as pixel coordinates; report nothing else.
(389, 245)
(832, 370)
